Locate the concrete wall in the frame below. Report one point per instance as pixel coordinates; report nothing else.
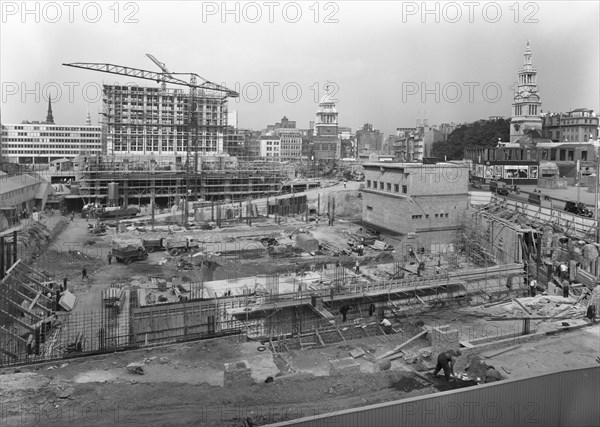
(567, 398)
(412, 198)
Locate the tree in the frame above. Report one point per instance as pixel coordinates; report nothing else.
(482, 133)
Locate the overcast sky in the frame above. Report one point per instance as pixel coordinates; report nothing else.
(390, 62)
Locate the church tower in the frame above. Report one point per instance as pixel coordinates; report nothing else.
(326, 123)
(49, 117)
(526, 108)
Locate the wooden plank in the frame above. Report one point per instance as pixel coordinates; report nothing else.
(9, 354)
(18, 307)
(397, 348)
(34, 302)
(506, 350)
(6, 331)
(522, 306)
(527, 317)
(10, 316)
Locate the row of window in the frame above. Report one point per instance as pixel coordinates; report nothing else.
(442, 215)
(386, 186)
(14, 193)
(52, 128)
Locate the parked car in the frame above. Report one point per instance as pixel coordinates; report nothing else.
(578, 209)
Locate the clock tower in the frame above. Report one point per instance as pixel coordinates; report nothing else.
(526, 108)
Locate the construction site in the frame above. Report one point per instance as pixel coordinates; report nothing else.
(286, 295)
(198, 288)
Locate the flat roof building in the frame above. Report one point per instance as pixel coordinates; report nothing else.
(413, 198)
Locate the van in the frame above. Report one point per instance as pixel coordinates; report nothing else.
(534, 199)
(499, 187)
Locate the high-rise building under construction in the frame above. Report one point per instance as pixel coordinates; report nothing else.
(165, 122)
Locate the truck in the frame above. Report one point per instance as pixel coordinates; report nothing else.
(126, 254)
(152, 245)
(176, 247)
(499, 187)
(117, 213)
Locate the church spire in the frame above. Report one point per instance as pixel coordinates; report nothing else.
(49, 117)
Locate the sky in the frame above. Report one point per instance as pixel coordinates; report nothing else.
(387, 63)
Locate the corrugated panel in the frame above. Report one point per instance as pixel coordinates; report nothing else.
(567, 398)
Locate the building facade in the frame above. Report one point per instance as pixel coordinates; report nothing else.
(407, 198)
(270, 146)
(579, 125)
(368, 140)
(522, 164)
(526, 108)
(148, 120)
(39, 143)
(290, 144)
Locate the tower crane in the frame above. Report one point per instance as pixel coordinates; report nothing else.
(164, 69)
(204, 89)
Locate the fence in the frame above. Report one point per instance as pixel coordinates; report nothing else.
(568, 398)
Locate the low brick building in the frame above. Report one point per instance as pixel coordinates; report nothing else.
(413, 198)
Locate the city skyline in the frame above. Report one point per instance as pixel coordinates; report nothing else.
(389, 63)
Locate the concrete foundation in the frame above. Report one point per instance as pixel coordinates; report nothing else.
(343, 366)
(237, 374)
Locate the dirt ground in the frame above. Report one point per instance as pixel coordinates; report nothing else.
(184, 383)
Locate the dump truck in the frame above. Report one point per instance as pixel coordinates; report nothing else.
(176, 247)
(152, 245)
(126, 254)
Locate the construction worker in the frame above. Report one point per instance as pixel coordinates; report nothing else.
(344, 312)
(532, 287)
(492, 375)
(109, 256)
(84, 274)
(446, 361)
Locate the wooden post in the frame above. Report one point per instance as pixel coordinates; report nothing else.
(2, 257)
(318, 204)
(15, 247)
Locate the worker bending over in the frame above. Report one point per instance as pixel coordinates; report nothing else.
(446, 361)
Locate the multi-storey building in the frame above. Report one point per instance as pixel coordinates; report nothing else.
(270, 146)
(39, 143)
(368, 140)
(579, 125)
(148, 120)
(290, 144)
(526, 108)
(406, 198)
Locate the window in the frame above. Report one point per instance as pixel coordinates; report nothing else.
(404, 189)
(389, 187)
(369, 208)
(427, 216)
(562, 155)
(381, 185)
(446, 215)
(584, 155)
(436, 215)
(368, 183)
(396, 188)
